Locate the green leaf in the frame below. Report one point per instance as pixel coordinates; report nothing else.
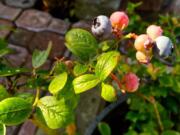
(33, 83)
(147, 133)
(5, 51)
(58, 83)
(8, 71)
(68, 94)
(56, 113)
(131, 132)
(167, 123)
(3, 48)
(149, 128)
(3, 44)
(85, 82)
(2, 129)
(132, 6)
(172, 105)
(3, 92)
(80, 69)
(106, 45)
(40, 57)
(81, 43)
(108, 93)
(14, 111)
(26, 96)
(166, 80)
(106, 63)
(104, 128)
(170, 132)
(59, 68)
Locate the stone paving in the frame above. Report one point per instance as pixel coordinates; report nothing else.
(30, 29)
(21, 3)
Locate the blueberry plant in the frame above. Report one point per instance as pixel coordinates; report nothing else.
(111, 59)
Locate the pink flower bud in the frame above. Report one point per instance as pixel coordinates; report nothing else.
(130, 82)
(119, 20)
(154, 31)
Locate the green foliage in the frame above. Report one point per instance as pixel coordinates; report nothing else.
(2, 129)
(9, 71)
(135, 19)
(3, 44)
(104, 128)
(153, 108)
(59, 68)
(26, 96)
(80, 69)
(56, 113)
(85, 82)
(58, 83)
(161, 82)
(106, 63)
(14, 111)
(68, 93)
(107, 45)
(40, 57)
(170, 132)
(131, 132)
(108, 93)
(81, 43)
(4, 52)
(3, 93)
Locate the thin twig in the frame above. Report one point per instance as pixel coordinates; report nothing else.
(153, 102)
(37, 90)
(37, 97)
(157, 114)
(114, 77)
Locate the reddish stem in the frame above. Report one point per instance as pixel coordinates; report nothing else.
(114, 77)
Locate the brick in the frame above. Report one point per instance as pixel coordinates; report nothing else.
(41, 40)
(9, 13)
(58, 26)
(88, 107)
(21, 37)
(33, 20)
(2, 81)
(5, 27)
(28, 128)
(20, 3)
(174, 8)
(87, 9)
(82, 24)
(12, 130)
(18, 57)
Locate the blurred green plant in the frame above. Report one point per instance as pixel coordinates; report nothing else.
(154, 109)
(104, 128)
